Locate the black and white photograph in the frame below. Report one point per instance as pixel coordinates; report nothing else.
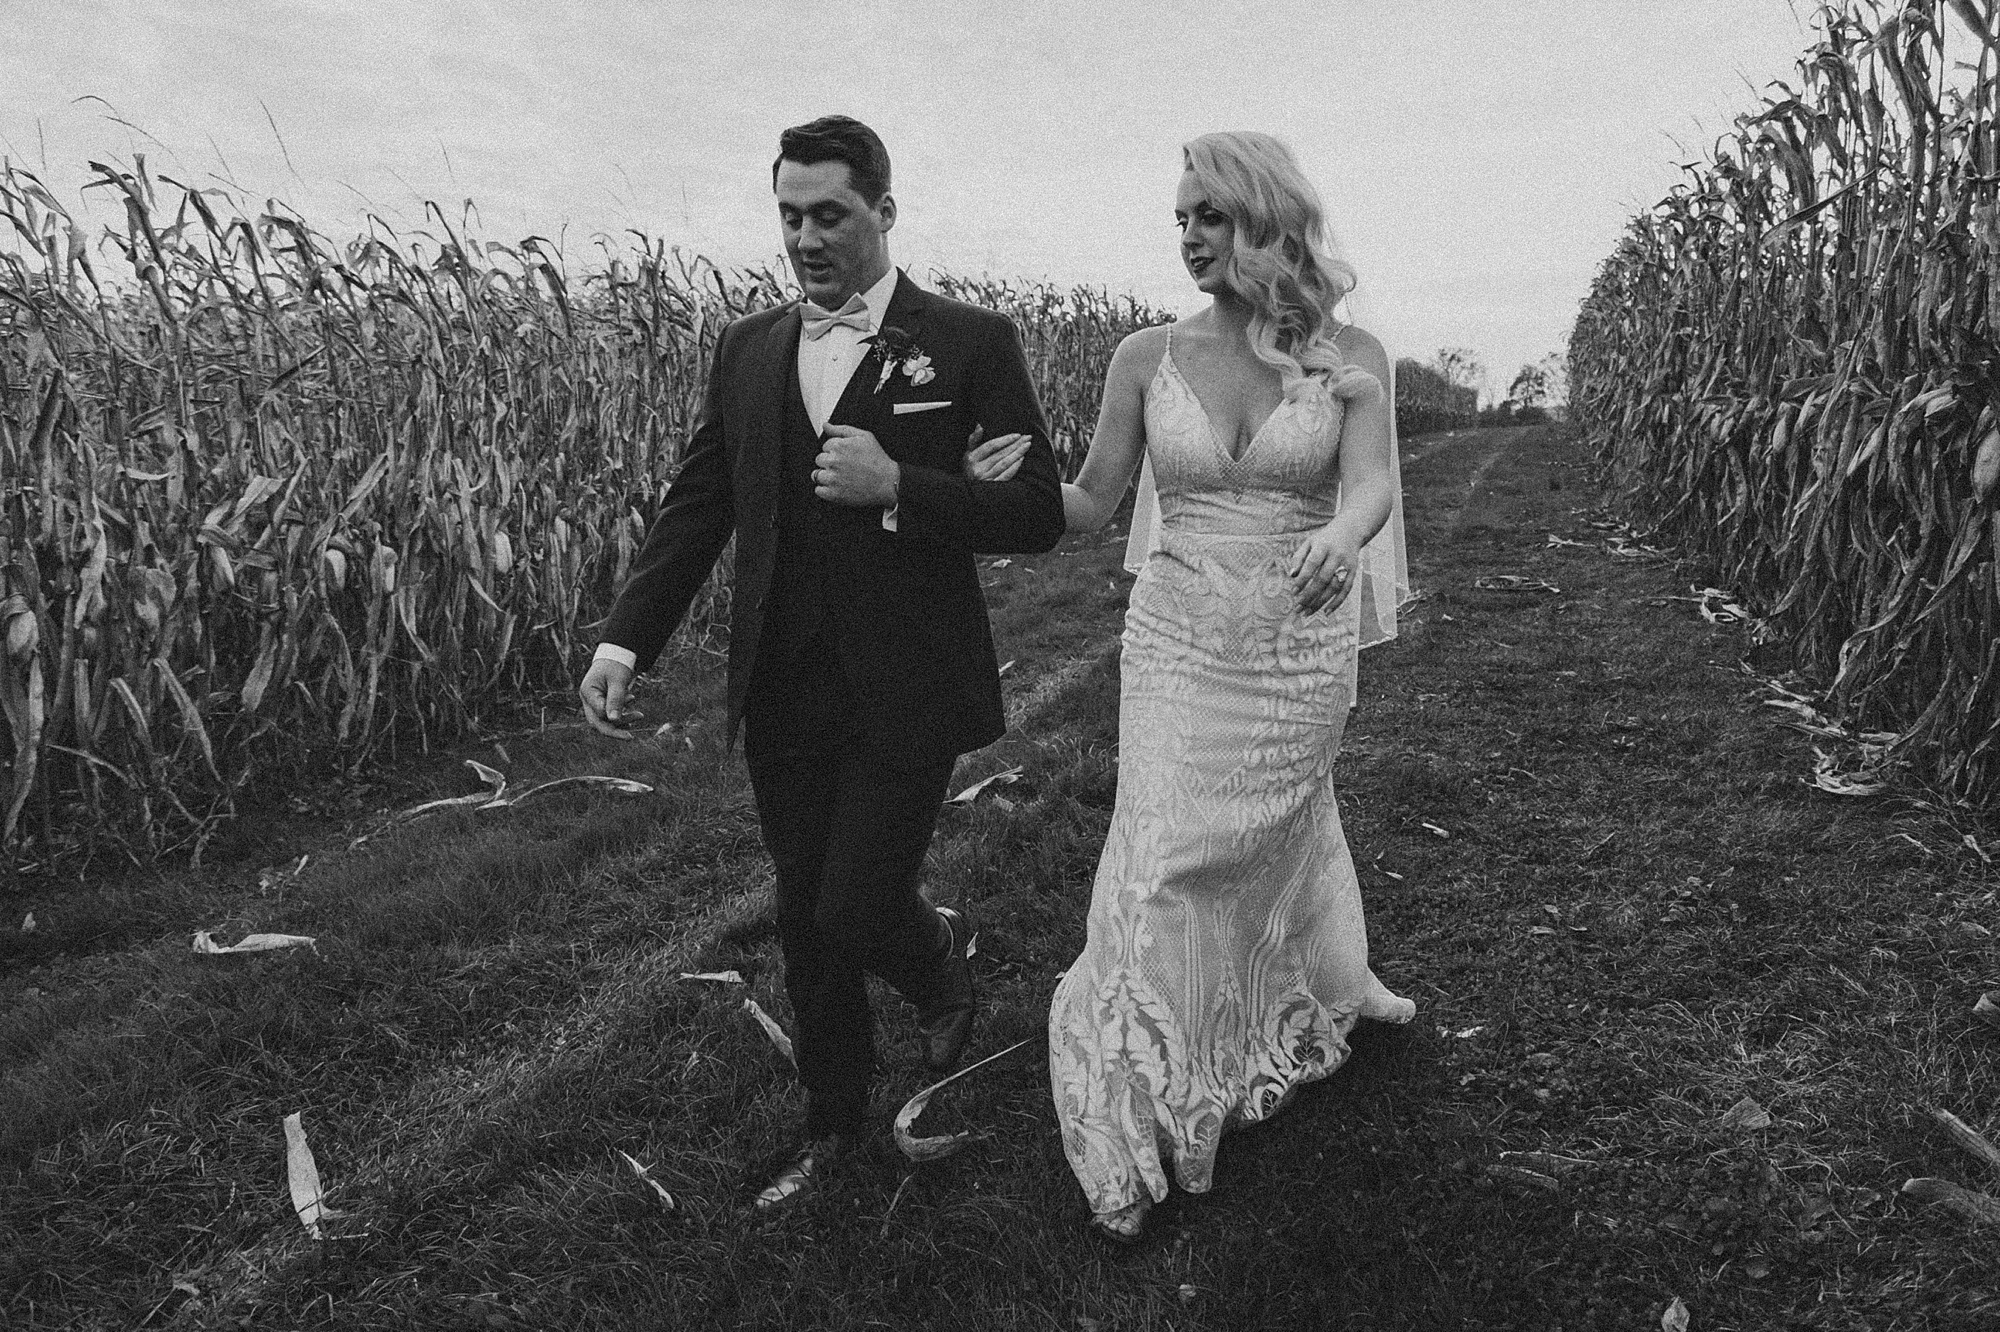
(1152, 666)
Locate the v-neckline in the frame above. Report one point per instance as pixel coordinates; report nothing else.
(1208, 421)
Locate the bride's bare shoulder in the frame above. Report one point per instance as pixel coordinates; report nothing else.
(1363, 349)
(1138, 356)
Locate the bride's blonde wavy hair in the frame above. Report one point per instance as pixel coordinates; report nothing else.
(1279, 263)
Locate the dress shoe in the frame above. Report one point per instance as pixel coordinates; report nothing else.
(803, 1176)
(948, 1026)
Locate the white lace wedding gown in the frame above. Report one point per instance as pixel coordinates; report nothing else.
(1226, 958)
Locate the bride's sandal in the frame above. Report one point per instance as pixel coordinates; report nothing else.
(1123, 1225)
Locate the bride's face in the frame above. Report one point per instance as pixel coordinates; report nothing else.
(1207, 235)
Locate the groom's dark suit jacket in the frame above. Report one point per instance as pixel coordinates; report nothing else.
(902, 610)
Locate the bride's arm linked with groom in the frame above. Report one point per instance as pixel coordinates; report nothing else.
(832, 444)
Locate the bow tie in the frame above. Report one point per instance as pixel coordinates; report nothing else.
(852, 315)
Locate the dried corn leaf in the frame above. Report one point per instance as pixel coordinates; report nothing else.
(645, 1175)
(1977, 1207)
(971, 793)
(1514, 583)
(931, 1149)
(1746, 1116)
(1720, 607)
(204, 942)
(624, 785)
(771, 1029)
(1519, 1175)
(1827, 777)
(731, 977)
(302, 1175)
(1548, 1163)
(1968, 1138)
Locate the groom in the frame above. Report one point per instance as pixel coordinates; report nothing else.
(860, 660)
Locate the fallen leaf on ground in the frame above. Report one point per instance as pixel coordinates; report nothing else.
(302, 1173)
(1675, 1319)
(1967, 1137)
(496, 784)
(1513, 583)
(1465, 1033)
(204, 942)
(1827, 777)
(730, 977)
(1004, 668)
(971, 793)
(496, 797)
(1720, 607)
(1439, 831)
(28, 925)
(1972, 1206)
(623, 785)
(1540, 929)
(1555, 540)
(1546, 1162)
(930, 1149)
(1745, 1116)
(645, 1174)
(1518, 1175)
(772, 1029)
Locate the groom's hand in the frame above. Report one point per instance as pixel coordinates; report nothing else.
(852, 469)
(605, 688)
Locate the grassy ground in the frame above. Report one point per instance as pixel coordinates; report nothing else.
(1587, 853)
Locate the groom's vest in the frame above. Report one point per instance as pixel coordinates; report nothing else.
(797, 608)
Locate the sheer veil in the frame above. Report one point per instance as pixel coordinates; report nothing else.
(1384, 585)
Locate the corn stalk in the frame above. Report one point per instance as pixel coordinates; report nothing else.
(1791, 362)
(269, 500)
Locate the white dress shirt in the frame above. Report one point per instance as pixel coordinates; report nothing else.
(826, 363)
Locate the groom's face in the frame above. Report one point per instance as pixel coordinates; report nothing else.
(837, 241)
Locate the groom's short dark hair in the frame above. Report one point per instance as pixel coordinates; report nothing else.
(838, 139)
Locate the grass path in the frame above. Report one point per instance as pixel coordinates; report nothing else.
(1587, 854)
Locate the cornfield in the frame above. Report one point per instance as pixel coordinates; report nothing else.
(1792, 361)
(272, 502)
(1427, 401)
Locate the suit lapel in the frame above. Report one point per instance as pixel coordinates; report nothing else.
(860, 405)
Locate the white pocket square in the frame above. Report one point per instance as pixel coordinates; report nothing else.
(905, 408)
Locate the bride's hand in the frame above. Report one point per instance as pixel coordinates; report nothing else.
(1324, 570)
(995, 460)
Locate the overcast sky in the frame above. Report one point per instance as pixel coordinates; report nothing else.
(1478, 157)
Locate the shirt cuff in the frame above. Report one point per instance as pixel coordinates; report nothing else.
(625, 657)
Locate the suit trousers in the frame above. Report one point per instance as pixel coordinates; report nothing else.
(847, 827)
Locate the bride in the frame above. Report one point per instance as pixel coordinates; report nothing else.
(1226, 958)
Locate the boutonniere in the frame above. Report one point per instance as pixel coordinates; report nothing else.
(894, 350)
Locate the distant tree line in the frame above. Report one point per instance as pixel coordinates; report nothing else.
(1443, 393)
